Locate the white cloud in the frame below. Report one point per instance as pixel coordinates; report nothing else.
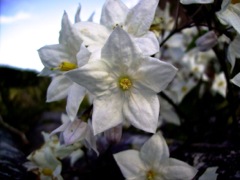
(16, 17)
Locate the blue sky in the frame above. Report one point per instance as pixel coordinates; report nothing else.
(27, 25)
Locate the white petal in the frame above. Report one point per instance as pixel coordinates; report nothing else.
(120, 49)
(148, 43)
(60, 128)
(175, 169)
(155, 74)
(236, 80)
(154, 151)
(113, 12)
(142, 110)
(83, 56)
(140, 17)
(130, 164)
(92, 33)
(107, 112)
(196, 1)
(232, 17)
(76, 131)
(52, 55)
(76, 94)
(91, 139)
(69, 36)
(46, 72)
(77, 14)
(93, 76)
(210, 173)
(58, 88)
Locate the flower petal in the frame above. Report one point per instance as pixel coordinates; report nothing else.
(52, 55)
(196, 1)
(69, 36)
(236, 80)
(93, 76)
(140, 17)
(92, 33)
(76, 131)
(154, 151)
(155, 74)
(76, 94)
(175, 169)
(142, 110)
(83, 56)
(107, 112)
(120, 49)
(58, 89)
(113, 12)
(148, 43)
(130, 164)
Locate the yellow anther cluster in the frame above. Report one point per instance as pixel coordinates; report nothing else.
(184, 89)
(47, 172)
(150, 175)
(65, 66)
(125, 83)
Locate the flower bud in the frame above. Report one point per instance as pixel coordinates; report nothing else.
(207, 41)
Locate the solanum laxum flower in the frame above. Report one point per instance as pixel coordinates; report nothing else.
(125, 84)
(152, 162)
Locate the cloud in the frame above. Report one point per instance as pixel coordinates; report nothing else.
(11, 19)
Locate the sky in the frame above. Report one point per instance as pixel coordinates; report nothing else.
(27, 25)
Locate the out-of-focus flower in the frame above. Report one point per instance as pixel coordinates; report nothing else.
(76, 131)
(210, 173)
(230, 14)
(196, 1)
(220, 84)
(233, 51)
(152, 162)
(136, 21)
(44, 164)
(125, 84)
(207, 41)
(236, 80)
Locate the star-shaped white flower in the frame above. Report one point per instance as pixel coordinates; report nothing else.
(136, 21)
(69, 54)
(125, 84)
(152, 162)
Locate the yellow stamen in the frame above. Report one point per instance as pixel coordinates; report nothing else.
(65, 66)
(220, 83)
(184, 89)
(125, 83)
(235, 1)
(47, 172)
(150, 175)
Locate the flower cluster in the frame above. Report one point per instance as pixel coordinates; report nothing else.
(126, 66)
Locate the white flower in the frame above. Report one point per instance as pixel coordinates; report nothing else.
(136, 21)
(196, 1)
(125, 84)
(153, 163)
(220, 84)
(69, 54)
(76, 131)
(230, 13)
(44, 163)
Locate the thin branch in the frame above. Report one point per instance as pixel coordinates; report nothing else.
(14, 130)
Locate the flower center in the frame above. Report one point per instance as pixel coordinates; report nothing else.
(125, 83)
(47, 172)
(65, 66)
(150, 175)
(235, 1)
